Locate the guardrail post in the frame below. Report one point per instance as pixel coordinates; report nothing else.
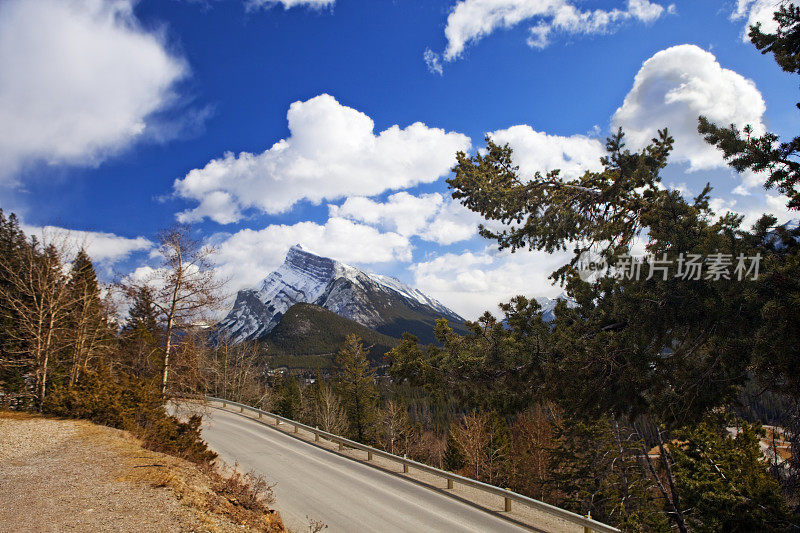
(316, 437)
(507, 504)
(369, 456)
(449, 483)
(405, 468)
(587, 529)
(277, 421)
(296, 428)
(341, 446)
(259, 414)
(241, 409)
(224, 405)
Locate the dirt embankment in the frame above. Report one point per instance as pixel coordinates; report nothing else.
(68, 475)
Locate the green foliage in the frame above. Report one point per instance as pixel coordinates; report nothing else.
(355, 385)
(304, 362)
(724, 481)
(310, 330)
(741, 149)
(125, 402)
(453, 458)
(597, 468)
(288, 397)
(142, 337)
(597, 211)
(784, 45)
(12, 371)
(90, 335)
(496, 365)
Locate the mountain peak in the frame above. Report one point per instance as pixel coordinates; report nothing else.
(379, 302)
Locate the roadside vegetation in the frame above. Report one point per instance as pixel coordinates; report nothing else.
(63, 354)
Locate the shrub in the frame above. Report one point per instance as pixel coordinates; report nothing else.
(126, 402)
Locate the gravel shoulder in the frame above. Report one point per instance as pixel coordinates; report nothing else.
(69, 475)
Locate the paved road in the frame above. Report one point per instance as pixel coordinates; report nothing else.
(346, 495)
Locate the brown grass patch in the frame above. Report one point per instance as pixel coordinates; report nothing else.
(221, 502)
(18, 415)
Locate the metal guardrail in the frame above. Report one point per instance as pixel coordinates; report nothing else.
(588, 524)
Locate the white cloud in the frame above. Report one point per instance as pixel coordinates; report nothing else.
(474, 282)
(677, 85)
(753, 205)
(102, 247)
(248, 256)
(471, 20)
(433, 61)
(757, 205)
(537, 151)
(332, 153)
(79, 81)
(429, 216)
(288, 4)
(757, 11)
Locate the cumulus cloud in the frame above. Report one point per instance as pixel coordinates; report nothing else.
(537, 151)
(248, 256)
(288, 4)
(474, 282)
(757, 12)
(102, 247)
(79, 81)
(677, 85)
(471, 20)
(431, 217)
(332, 152)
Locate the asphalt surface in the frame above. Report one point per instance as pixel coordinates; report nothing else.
(344, 494)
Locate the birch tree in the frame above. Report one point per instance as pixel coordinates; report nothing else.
(36, 298)
(185, 288)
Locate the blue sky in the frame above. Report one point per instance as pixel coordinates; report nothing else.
(118, 115)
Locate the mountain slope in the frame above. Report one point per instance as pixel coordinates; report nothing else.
(308, 329)
(377, 302)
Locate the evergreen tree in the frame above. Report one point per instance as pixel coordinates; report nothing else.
(289, 397)
(13, 367)
(453, 458)
(597, 469)
(142, 337)
(88, 333)
(724, 482)
(741, 148)
(355, 385)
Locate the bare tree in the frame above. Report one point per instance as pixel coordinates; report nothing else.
(36, 297)
(234, 372)
(532, 440)
(186, 289)
(396, 428)
(329, 412)
(472, 438)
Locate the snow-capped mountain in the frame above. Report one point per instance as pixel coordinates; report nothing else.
(378, 302)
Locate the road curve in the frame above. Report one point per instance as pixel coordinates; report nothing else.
(346, 495)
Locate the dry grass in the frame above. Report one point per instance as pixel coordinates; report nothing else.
(218, 501)
(83, 463)
(18, 415)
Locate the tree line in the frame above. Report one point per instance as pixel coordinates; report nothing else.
(632, 398)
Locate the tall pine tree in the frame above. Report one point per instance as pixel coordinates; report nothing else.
(355, 384)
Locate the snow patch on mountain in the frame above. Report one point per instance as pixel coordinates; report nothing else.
(309, 278)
